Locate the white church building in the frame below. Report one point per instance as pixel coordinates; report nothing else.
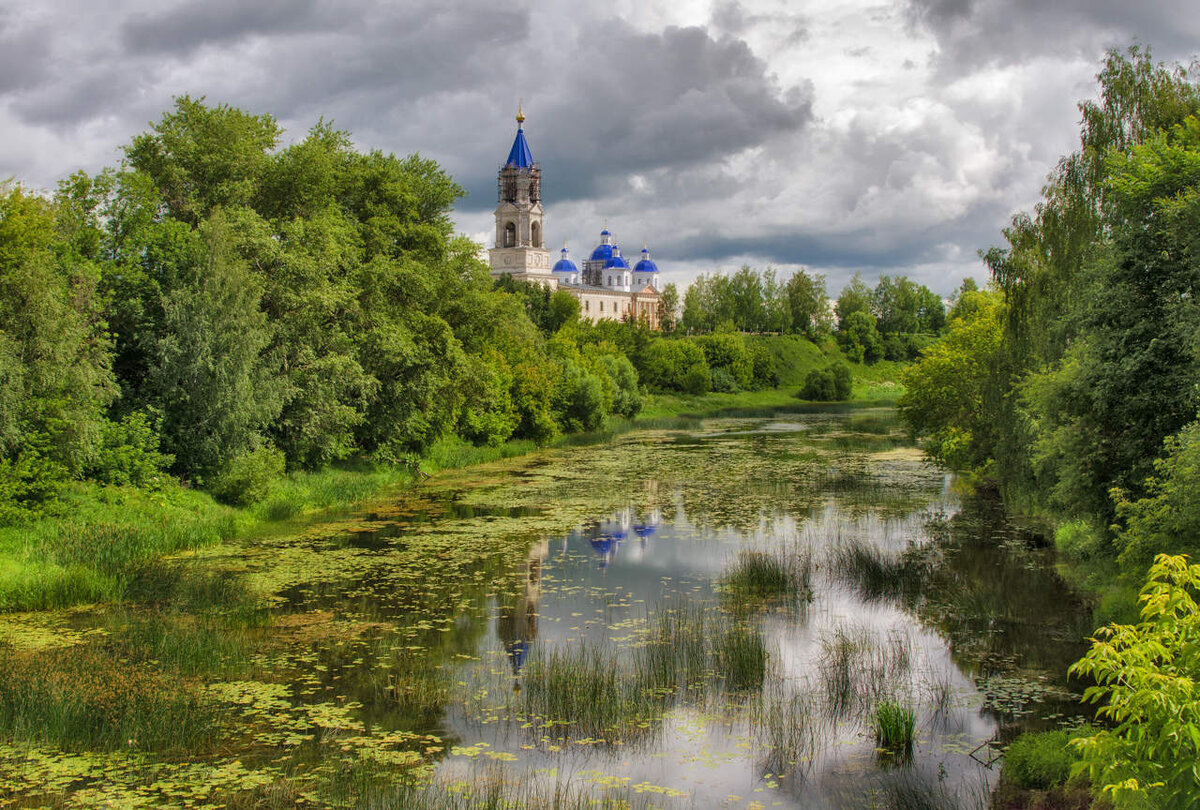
(607, 287)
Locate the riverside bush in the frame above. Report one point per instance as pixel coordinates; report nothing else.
(247, 479)
(1040, 760)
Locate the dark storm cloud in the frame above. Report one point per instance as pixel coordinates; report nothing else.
(1009, 31)
(186, 27)
(23, 53)
(626, 102)
(868, 249)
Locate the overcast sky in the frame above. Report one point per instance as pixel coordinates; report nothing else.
(881, 137)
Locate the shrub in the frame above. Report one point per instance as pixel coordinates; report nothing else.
(1146, 679)
(30, 484)
(697, 379)
(828, 384)
(1079, 539)
(247, 478)
(129, 453)
(1039, 761)
(723, 382)
(728, 351)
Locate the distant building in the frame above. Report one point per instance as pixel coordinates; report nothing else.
(607, 287)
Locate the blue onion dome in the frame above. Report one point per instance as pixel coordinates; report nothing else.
(616, 260)
(564, 265)
(604, 250)
(646, 265)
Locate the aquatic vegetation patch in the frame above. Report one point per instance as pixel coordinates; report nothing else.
(87, 698)
(894, 725)
(765, 578)
(857, 668)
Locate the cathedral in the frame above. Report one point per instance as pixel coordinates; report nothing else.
(607, 287)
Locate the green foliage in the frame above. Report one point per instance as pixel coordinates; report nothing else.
(30, 483)
(676, 365)
(211, 381)
(247, 478)
(808, 304)
(727, 352)
(204, 157)
(859, 338)
(129, 453)
(668, 308)
(1146, 681)
(944, 392)
(1079, 539)
(1039, 760)
(562, 311)
(855, 297)
(830, 384)
(55, 379)
(1167, 520)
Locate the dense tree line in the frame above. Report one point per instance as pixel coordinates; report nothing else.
(1072, 383)
(892, 321)
(218, 304)
(220, 309)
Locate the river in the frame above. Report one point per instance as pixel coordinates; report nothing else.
(566, 623)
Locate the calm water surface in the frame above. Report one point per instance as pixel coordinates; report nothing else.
(920, 595)
(504, 625)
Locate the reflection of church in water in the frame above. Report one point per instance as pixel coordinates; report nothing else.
(517, 623)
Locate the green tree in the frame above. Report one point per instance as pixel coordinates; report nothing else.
(562, 310)
(210, 380)
(1167, 519)
(202, 157)
(855, 297)
(943, 397)
(55, 377)
(668, 309)
(808, 304)
(859, 337)
(1147, 687)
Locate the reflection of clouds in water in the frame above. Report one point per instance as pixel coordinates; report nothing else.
(602, 580)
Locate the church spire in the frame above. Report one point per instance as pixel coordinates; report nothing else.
(519, 157)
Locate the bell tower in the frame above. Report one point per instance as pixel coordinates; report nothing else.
(520, 248)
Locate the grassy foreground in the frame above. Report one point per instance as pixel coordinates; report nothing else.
(95, 548)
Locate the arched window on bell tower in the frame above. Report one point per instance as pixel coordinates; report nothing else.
(510, 235)
(536, 234)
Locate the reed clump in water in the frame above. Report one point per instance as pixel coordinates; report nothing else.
(789, 728)
(760, 579)
(894, 725)
(595, 689)
(858, 669)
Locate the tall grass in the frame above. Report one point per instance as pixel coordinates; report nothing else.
(87, 698)
(585, 688)
(875, 573)
(92, 554)
(760, 579)
(690, 655)
(858, 669)
(894, 726)
(489, 788)
(789, 728)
